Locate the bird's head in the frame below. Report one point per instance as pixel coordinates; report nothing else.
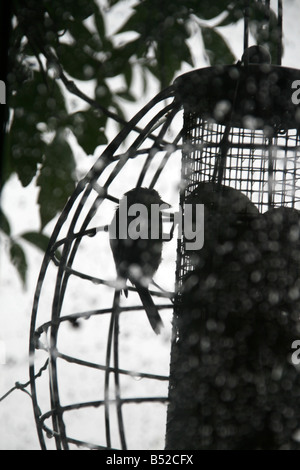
(145, 196)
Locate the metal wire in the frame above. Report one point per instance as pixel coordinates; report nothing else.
(265, 169)
(262, 165)
(271, 34)
(69, 244)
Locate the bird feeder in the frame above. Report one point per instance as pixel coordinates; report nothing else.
(240, 131)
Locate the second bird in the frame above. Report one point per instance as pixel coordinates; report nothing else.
(138, 257)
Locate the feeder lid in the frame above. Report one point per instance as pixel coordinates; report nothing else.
(252, 96)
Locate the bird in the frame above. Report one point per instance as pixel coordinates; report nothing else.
(252, 285)
(227, 213)
(219, 286)
(138, 252)
(238, 316)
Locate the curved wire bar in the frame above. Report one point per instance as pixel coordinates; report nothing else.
(70, 246)
(94, 404)
(91, 213)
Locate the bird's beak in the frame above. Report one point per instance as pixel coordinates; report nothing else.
(166, 204)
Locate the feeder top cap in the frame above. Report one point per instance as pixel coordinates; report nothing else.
(241, 95)
(256, 55)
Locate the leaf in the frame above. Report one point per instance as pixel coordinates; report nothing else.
(208, 9)
(119, 59)
(4, 224)
(18, 259)
(33, 103)
(41, 241)
(169, 56)
(82, 36)
(37, 239)
(128, 75)
(126, 95)
(6, 167)
(77, 62)
(234, 15)
(118, 109)
(81, 9)
(216, 47)
(112, 2)
(100, 23)
(162, 29)
(59, 11)
(56, 179)
(150, 18)
(86, 127)
(38, 101)
(26, 148)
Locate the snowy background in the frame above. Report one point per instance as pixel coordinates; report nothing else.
(17, 426)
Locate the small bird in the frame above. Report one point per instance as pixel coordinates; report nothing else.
(137, 258)
(227, 213)
(238, 317)
(219, 285)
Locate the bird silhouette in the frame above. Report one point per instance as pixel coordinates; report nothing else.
(239, 313)
(227, 214)
(138, 254)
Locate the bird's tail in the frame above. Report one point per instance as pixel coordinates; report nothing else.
(150, 308)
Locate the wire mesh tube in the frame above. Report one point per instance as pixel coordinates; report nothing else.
(235, 316)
